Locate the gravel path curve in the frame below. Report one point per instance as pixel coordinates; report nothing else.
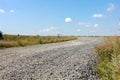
(72, 60)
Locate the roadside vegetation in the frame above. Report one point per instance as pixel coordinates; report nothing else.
(108, 52)
(22, 40)
(1, 35)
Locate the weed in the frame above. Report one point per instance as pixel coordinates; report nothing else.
(108, 53)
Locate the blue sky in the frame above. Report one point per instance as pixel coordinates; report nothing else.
(66, 17)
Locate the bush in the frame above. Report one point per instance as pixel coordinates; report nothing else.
(1, 36)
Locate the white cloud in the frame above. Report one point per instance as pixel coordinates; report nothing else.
(12, 11)
(92, 31)
(49, 31)
(84, 24)
(87, 25)
(119, 24)
(78, 30)
(98, 15)
(111, 7)
(96, 25)
(46, 30)
(2, 11)
(68, 20)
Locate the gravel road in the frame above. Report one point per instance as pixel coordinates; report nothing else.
(71, 60)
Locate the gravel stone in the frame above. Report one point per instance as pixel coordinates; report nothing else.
(71, 60)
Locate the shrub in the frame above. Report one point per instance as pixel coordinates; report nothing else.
(1, 36)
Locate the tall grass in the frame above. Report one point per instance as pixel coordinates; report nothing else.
(108, 53)
(21, 40)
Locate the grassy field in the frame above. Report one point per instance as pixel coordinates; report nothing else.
(22, 40)
(109, 59)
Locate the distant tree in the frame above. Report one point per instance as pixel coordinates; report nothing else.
(38, 35)
(1, 35)
(58, 35)
(18, 34)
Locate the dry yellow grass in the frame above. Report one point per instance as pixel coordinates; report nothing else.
(17, 40)
(109, 59)
(8, 44)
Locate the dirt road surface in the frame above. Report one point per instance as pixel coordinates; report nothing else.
(71, 60)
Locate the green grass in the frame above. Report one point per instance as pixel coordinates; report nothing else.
(22, 40)
(108, 53)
